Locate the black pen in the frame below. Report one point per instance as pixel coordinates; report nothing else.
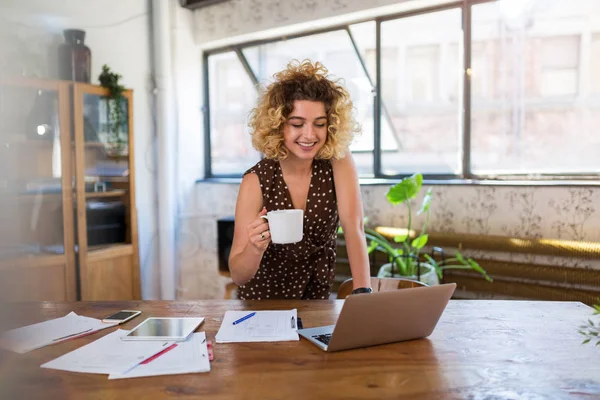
(293, 323)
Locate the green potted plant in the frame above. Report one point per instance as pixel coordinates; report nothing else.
(116, 136)
(406, 258)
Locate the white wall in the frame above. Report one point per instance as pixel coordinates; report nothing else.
(118, 34)
(187, 64)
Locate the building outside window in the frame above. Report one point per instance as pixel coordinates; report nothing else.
(534, 91)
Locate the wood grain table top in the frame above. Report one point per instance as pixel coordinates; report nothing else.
(479, 350)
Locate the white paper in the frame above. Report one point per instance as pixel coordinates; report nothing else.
(265, 326)
(189, 356)
(108, 355)
(31, 337)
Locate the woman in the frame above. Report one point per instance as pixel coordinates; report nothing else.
(303, 126)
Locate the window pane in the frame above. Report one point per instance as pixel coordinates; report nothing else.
(421, 71)
(595, 63)
(335, 51)
(232, 97)
(364, 37)
(532, 108)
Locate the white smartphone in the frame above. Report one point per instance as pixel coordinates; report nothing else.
(122, 316)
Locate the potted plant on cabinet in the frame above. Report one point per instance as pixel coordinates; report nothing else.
(406, 259)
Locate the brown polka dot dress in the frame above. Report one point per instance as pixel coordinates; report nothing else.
(303, 270)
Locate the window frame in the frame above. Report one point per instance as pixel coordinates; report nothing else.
(466, 176)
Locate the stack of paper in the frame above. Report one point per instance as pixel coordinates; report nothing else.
(108, 355)
(125, 359)
(262, 326)
(190, 356)
(31, 337)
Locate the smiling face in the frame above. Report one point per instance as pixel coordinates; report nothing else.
(305, 130)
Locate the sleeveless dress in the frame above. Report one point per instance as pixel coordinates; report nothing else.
(303, 270)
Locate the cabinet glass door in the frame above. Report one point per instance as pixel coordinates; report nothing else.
(106, 169)
(31, 171)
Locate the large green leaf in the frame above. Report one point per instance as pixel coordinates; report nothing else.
(476, 267)
(372, 246)
(400, 238)
(407, 189)
(420, 241)
(434, 264)
(426, 202)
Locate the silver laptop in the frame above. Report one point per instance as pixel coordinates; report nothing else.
(383, 317)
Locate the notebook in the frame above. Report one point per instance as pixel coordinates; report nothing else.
(261, 326)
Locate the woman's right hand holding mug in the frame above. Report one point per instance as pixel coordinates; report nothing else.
(258, 232)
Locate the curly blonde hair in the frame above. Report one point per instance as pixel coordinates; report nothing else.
(302, 81)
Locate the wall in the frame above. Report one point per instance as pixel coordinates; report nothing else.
(118, 34)
(195, 281)
(565, 212)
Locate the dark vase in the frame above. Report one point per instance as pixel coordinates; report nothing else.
(75, 58)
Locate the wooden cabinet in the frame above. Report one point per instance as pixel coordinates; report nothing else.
(37, 258)
(106, 222)
(68, 227)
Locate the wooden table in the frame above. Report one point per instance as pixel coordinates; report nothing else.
(479, 350)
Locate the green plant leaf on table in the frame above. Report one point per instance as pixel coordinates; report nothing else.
(591, 331)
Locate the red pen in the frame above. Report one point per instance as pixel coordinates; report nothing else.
(154, 357)
(209, 347)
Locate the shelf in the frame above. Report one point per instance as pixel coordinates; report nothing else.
(33, 261)
(97, 145)
(124, 179)
(101, 146)
(94, 144)
(29, 142)
(108, 251)
(53, 196)
(110, 193)
(58, 195)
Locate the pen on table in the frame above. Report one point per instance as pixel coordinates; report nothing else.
(72, 334)
(243, 318)
(209, 348)
(293, 323)
(160, 353)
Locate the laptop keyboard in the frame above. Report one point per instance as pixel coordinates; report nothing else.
(323, 338)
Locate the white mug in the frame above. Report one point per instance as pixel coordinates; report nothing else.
(285, 225)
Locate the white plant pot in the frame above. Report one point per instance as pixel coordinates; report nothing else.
(428, 274)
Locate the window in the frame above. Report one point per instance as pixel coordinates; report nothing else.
(533, 123)
(595, 64)
(426, 120)
(232, 96)
(534, 90)
(422, 66)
